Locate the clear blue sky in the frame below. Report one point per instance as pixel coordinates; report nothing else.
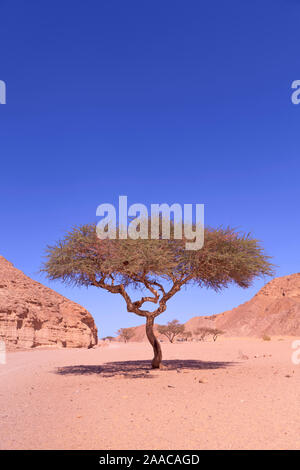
(163, 101)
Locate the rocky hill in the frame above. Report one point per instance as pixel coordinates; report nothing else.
(274, 310)
(33, 315)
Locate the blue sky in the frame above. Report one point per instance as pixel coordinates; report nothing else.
(163, 101)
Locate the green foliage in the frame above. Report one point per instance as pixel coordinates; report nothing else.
(226, 257)
(160, 266)
(171, 329)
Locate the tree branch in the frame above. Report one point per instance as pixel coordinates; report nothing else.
(134, 307)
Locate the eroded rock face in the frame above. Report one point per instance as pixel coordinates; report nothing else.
(33, 315)
(274, 310)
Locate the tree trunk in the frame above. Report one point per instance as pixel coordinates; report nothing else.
(156, 362)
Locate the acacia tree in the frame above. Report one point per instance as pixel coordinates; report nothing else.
(215, 333)
(202, 332)
(157, 268)
(187, 335)
(206, 331)
(171, 330)
(126, 334)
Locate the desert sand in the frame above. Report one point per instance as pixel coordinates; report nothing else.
(236, 393)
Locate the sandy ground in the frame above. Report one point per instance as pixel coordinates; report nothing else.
(231, 394)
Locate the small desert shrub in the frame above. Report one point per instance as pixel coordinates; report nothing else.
(266, 338)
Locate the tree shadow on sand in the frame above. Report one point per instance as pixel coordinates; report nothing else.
(139, 369)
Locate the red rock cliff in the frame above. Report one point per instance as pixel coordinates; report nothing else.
(33, 315)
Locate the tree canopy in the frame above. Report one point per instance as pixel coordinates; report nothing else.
(158, 268)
